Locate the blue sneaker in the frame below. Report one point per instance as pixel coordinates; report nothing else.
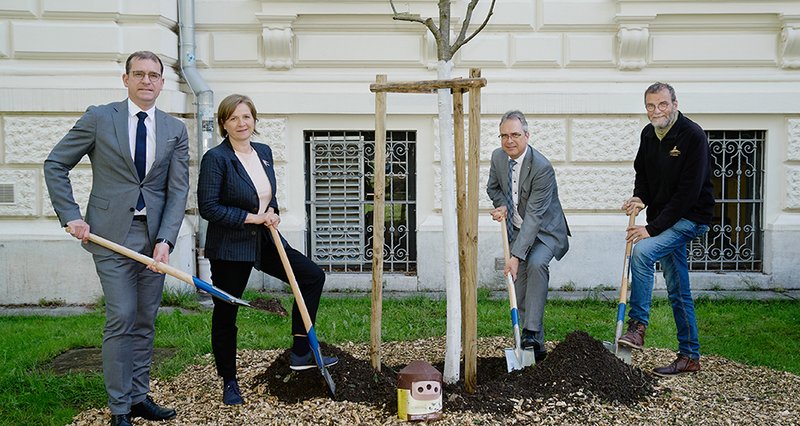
(231, 395)
(304, 362)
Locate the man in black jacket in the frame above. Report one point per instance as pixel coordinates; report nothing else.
(673, 179)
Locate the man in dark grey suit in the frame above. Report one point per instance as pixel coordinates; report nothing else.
(522, 186)
(140, 181)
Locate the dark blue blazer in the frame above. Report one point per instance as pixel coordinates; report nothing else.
(225, 195)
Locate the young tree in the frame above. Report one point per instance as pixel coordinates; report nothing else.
(445, 52)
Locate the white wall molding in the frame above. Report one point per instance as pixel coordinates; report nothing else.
(277, 40)
(632, 46)
(790, 45)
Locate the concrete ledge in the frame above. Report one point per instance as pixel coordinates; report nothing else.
(58, 311)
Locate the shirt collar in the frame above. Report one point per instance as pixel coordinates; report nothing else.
(134, 109)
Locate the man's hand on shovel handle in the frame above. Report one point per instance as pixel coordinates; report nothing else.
(499, 213)
(637, 233)
(632, 204)
(160, 255)
(78, 229)
(512, 266)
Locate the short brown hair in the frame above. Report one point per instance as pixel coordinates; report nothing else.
(143, 54)
(228, 106)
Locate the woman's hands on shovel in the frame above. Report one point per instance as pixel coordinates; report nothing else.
(268, 218)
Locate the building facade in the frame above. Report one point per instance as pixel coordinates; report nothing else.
(576, 68)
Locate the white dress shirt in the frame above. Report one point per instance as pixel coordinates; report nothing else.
(150, 124)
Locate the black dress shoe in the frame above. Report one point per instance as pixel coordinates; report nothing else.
(120, 420)
(149, 410)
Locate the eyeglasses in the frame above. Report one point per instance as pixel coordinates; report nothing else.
(662, 106)
(504, 137)
(139, 75)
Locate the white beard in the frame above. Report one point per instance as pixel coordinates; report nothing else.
(662, 123)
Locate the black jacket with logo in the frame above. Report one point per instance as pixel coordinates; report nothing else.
(673, 176)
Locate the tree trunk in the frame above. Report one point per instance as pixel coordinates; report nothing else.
(452, 358)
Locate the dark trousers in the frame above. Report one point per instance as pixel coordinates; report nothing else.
(232, 277)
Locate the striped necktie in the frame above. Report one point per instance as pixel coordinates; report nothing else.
(510, 199)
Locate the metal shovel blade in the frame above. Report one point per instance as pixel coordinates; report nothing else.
(621, 352)
(514, 362)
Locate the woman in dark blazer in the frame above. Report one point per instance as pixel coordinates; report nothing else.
(236, 195)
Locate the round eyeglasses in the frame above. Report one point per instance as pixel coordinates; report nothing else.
(662, 106)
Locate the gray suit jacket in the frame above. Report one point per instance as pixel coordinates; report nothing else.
(102, 134)
(539, 206)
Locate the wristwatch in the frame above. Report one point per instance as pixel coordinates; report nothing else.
(164, 240)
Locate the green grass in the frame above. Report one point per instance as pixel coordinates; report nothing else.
(751, 332)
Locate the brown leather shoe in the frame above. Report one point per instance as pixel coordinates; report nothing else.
(634, 338)
(682, 364)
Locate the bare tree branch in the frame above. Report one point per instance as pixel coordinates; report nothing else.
(467, 18)
(460, 41)
(405, 16)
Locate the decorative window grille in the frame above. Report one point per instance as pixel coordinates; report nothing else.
(339, 194)
(735, 240)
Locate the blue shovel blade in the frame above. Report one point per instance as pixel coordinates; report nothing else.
(219, 294)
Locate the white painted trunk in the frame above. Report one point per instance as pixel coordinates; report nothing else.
(452, 358)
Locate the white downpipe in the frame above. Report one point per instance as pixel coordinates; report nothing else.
(205, 113)
(452, 358)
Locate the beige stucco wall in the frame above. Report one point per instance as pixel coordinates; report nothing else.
(576, 68)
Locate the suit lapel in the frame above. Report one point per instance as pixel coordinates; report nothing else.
(268, 169)
(527, 166)
(503, 173)
(238, 166)
(161, 138)
(123, 139)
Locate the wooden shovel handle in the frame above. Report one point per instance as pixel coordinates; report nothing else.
(506, 248)
(298, 297)
(623, 289)
(161, 267)
(512, 293)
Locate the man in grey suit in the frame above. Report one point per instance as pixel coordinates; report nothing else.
(522, 186)
(140, 180)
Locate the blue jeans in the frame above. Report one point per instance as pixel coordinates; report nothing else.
(669, 248)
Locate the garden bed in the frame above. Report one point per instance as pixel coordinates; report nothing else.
(579, 383)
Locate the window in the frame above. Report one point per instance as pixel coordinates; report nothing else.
(339, 206)
(735, 240)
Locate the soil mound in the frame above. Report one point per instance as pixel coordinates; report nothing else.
(272, 305)
(578, 369)
(582, 364)
(355, 379)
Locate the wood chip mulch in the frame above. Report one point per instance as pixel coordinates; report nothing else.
(579, 383)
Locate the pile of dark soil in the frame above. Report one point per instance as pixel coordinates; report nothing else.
(272, 305)
(355, 380)
(578, 369)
